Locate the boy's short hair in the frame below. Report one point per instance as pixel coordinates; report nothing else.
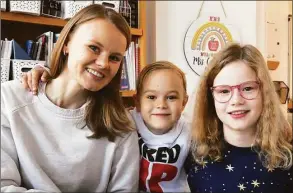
(159, 65)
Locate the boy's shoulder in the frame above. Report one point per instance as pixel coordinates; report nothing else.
(184, 123)
(135, 115)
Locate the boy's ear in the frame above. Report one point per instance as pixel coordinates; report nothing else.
(185, 101)
(136, 102)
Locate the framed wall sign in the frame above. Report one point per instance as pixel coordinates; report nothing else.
(205, 37)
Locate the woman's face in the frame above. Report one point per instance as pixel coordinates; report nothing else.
(238, 113)
(95, 51)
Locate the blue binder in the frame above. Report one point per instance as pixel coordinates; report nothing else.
(18, 52)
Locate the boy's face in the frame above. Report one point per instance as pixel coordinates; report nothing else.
(162, 100)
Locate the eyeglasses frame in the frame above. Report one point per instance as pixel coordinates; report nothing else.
(232, 90)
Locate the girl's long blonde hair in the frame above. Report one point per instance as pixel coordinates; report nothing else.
(274, 133)
(105, 113)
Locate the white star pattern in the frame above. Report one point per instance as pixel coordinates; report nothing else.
(255, 183)
(230, 168)
(241, 187)
(253, 178)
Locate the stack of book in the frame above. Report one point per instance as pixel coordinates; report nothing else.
(42, 48)
(130, 69)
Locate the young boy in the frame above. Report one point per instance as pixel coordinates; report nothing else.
(164, 136)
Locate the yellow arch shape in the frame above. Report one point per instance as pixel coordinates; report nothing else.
(210, 24)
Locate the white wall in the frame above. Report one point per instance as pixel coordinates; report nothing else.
(276, 15)
(174, 17)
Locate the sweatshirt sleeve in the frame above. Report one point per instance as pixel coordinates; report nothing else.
(10, 176)
(125, 169)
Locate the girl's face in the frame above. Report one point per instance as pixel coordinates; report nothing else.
(162, 100)
(238, 113)
(95, 51)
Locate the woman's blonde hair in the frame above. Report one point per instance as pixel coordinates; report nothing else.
(159, 65)
(105, 113)
(273, 133)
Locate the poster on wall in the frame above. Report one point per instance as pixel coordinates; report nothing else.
(205, 37)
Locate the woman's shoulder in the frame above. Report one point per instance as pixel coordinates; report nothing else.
(14, 95)
(127, 139)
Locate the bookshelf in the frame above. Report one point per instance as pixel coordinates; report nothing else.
(22, 27)
(48, 21)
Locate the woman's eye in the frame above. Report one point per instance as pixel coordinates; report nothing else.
(94, 48)
(115, 58)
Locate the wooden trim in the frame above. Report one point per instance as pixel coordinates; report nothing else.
(127, 93)
(290, 104)
(136, 32)
(41, 20)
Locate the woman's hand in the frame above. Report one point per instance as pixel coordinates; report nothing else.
(30, 80)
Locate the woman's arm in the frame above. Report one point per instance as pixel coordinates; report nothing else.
(125, 168)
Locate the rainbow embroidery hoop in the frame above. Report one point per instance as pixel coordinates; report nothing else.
(205, 37)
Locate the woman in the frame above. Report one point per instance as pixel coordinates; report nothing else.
(75, 135)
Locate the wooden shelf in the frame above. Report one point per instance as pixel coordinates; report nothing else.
(26, 18)
(128, 93)
(41, 20)
(136, 32)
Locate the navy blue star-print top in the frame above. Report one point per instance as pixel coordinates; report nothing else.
(241, 171)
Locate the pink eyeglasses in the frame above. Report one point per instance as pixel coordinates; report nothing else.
(248, 90)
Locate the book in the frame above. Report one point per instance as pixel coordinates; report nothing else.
(35, 51)
(48, 45)
(19, 52)
(7, 49)
(3, 45)
(28, 46)
(124, 84)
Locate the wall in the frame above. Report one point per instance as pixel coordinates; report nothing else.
(250, 17)
(276, 27)
(173, 19)
(290, 52)
(150, 31)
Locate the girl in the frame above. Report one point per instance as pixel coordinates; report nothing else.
(74, 136)
(241, 140)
